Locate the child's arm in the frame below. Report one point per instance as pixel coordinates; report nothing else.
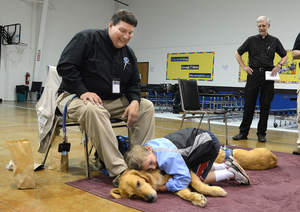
(174, 165)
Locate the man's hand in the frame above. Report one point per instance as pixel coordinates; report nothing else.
(92, 97)
(275, 70)
(296, 54)
(242, 64)
(131, 112)
(248, 70)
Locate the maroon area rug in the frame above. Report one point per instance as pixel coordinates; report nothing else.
(273, 190)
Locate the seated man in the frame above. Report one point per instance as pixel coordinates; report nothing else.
(100, 70)
(185, 149)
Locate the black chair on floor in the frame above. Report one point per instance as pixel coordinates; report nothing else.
(191, 107)
(36, 87)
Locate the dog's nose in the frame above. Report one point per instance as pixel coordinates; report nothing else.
(151, 198)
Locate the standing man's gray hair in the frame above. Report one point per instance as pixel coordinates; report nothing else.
(262, 18)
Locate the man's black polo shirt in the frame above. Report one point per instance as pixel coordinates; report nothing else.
(90, 62)
(262, 51)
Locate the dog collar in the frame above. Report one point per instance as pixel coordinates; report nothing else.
(228, 152)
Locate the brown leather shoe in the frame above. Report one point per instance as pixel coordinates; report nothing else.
(240, 136)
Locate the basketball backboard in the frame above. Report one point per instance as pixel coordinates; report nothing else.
(11, 34)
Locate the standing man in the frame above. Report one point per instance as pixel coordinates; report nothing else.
(100, 70)
(261, 49)
(296, 55)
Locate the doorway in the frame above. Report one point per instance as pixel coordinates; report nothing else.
(143, 68)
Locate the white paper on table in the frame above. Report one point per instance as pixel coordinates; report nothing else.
(269, 77)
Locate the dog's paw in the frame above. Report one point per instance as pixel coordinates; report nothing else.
(218, 191)
(199, 200)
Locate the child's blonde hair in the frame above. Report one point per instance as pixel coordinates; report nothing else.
(135, 157)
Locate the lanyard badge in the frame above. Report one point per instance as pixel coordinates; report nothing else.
(116, 86)
(116, 82)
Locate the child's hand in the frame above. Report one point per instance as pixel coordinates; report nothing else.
(162, 188)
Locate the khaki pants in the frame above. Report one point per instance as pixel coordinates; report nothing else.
(95, 120)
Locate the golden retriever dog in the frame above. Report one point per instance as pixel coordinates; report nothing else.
(255, 159)
(143, 185)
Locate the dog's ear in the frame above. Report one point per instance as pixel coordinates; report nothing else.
(115, 192)
(145, 175)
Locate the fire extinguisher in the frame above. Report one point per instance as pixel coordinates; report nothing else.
(27, 78)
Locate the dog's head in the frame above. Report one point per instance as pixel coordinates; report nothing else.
(135, 184)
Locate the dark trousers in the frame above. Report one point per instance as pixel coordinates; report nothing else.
(199, 156)
(256, 84)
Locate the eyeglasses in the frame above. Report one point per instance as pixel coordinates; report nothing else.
(261, 25)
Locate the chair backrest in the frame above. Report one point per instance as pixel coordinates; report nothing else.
(53, 79)
(189, 94)
(36, 86)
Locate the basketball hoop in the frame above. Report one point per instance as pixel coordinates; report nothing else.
(11, 34)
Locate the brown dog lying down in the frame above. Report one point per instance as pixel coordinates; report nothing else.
(255, 159)
(143, 185)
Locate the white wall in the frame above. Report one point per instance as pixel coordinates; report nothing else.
(16, 60)
(64, 19)
(167, 26)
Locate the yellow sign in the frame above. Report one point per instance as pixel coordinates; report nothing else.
(191, 65)
(288, 73)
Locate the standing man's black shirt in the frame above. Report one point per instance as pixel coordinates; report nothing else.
(262, 51)
(90, 63)
(297, 43)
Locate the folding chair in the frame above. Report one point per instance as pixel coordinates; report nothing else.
(191, 107)
(36, 87)
(57, 126)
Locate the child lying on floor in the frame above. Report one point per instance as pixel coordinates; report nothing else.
(187, 149)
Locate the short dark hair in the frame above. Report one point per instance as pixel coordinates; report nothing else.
(124, 15)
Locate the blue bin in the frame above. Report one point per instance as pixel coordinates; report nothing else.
(21, 97)
(22, 91)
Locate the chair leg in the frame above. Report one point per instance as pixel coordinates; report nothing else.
(183, 117)
(91, 149)
(86, 153)
(200, 122)
(226, 129)
(54, 128)
(208, 122)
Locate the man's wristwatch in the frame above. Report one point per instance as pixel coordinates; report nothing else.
(280, 65)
